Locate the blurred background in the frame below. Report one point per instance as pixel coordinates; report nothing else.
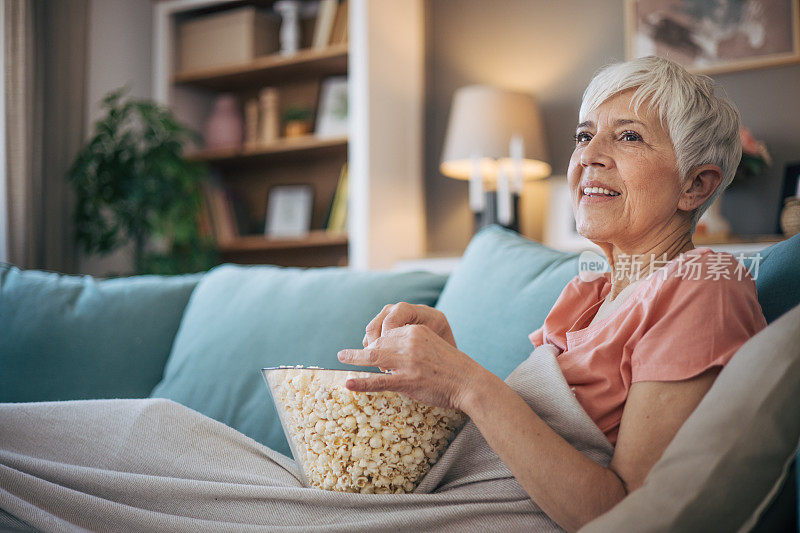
(169, 136)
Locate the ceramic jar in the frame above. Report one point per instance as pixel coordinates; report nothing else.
(225, 125)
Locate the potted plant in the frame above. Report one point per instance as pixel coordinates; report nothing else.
(297, 120)
(133, 184)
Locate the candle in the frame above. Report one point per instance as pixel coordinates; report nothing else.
(503, 198)
(516, 149)
(797, 191)
(477, 201)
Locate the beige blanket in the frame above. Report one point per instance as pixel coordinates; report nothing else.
(154, 465)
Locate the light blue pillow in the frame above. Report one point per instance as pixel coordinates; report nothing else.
(75, 337)
(241, 319)
(500, 292)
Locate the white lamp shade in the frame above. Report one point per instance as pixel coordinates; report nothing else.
(482, 122)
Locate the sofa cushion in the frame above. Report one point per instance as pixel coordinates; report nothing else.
(241, 319)
(75, 337)
(714, 474)
(778, 278)
(501, 291)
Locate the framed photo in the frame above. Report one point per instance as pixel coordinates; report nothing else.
(289, 211)
(713, 37)
(332, 109)
(560, 232)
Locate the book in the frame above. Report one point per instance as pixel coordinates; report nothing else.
(337, 217)
(324, 24)
(340, 23)
(222, 218)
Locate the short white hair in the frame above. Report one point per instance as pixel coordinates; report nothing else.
(703, 127)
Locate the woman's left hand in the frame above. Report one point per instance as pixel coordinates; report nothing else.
(423, 366)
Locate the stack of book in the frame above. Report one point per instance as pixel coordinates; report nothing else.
(337, 214)
(223, 217)
(331, 24)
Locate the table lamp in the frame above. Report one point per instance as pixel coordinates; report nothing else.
(495, 139)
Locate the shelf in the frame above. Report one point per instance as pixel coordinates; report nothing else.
(270, 69)
(284, 148)
(258, 243)
(711, 239)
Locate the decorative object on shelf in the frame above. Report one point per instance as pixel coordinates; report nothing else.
(289, 11)
(790, 217)
(495, 139)
(225, 125)
(324, 26)
(755, 158)
(332, 110)
(337, 214)
(289, 211)
(713, 37)
(297, 121)
(791, 189)
(269, 119)
(133, 184)
(229, 37)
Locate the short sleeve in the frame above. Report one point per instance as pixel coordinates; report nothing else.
(695, 325)
(576, 297)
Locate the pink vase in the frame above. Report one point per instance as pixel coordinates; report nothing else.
(225, 126)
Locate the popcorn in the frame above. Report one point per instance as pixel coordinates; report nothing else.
(372, 443)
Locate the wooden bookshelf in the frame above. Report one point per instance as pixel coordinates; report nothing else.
(306, 146)
(265, 70)
(259, 243)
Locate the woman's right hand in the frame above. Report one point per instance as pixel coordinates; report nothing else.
(402, 314)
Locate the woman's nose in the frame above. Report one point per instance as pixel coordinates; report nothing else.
(595, 154)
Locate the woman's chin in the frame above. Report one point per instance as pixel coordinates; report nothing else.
(594, 232)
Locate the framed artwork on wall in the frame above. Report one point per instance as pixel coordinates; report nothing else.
(713, 37)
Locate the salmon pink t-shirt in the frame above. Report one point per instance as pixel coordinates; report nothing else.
(690, 315)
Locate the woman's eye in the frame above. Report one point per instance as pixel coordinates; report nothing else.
(631, 136)
(582, 137)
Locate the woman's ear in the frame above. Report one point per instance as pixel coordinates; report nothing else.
(702, 183)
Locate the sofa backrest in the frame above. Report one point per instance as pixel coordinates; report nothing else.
(75, 337)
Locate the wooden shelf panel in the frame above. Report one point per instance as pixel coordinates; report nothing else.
(274, 68)
(711, 238)
(258, 243)
(283, 148)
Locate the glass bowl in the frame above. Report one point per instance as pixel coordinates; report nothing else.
(373, 442)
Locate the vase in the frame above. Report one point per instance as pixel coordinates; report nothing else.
(712, 222)
(225, 125)
(790, 217)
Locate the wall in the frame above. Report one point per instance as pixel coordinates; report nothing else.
(119, 53)
(551, 49)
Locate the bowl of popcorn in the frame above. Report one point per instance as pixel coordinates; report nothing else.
(367, 442)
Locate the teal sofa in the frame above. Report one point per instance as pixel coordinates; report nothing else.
(200, 339)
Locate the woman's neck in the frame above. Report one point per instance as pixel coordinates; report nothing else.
(631, 263)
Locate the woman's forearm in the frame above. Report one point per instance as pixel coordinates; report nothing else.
(568, 486)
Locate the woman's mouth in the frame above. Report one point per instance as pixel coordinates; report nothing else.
(599, 191)
(593, 195)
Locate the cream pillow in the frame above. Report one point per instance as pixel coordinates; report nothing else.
(728, 460)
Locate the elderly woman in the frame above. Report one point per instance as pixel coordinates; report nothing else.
(640, 347)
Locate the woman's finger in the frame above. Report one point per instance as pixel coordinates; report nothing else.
(375, 326)
(401, 315)
(367, 357)
(380, 382)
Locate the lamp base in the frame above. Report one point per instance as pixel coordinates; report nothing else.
(488, 216)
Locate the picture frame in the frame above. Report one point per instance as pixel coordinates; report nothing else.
(560, 231)
(333, 108)
(714, 37)
(289, 210)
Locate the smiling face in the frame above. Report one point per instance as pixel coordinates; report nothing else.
(623, 176)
